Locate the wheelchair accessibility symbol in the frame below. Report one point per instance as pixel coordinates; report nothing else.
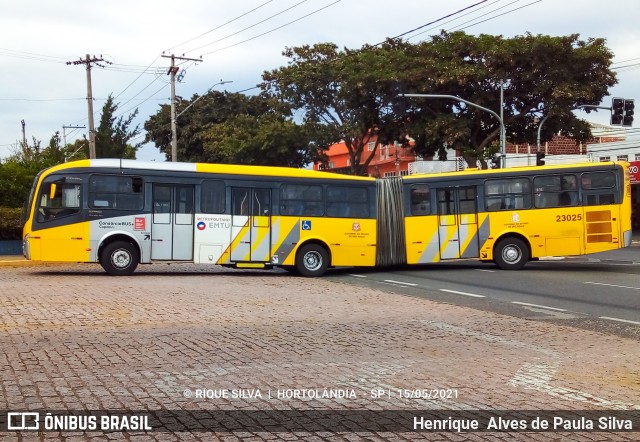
(306, 224)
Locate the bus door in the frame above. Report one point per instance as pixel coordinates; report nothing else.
(458, 222)
(250, 224)
(172, 225)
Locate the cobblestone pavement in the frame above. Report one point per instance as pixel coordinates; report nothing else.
(176, 337)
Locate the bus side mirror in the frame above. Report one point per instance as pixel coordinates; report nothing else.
(52, 191)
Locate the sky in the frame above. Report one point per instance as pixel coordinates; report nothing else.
(237, 42)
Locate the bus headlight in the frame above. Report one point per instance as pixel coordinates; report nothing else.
(25, 247)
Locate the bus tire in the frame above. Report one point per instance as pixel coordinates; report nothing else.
(511, 253)
(312, 260)
(120, 258)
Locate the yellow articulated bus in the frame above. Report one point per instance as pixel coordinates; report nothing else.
(121, 213)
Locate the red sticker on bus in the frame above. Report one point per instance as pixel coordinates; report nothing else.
(139, 224)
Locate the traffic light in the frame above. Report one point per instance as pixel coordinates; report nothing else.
(617, 111)
(627, 119)
(539, 158)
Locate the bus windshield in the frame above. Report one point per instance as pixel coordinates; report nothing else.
(26, 208)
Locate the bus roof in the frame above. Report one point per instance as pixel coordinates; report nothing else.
(226, 169)
(528, 170)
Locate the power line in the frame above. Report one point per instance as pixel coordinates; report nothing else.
(136, 79)
(222, 25)
(454, 19)
(440, 19)
(248, 27)
(499, 15)
(274, 29)
(626, 61)
(42, 99)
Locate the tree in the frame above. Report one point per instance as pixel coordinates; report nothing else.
(223, 127)
(113, 134)
(18, 171)
(540, 74)
(268, 140)
(345, 95)
(352, 94)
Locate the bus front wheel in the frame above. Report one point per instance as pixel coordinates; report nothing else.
(312, 260)
(120, 258)
(511, 254)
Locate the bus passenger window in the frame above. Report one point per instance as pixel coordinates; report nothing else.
(420, 200)
(213, 196)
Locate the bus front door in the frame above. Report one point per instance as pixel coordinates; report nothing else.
(172, 225)
(250, 225)
(458, 222)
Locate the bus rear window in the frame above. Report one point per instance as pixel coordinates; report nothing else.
(598, 180)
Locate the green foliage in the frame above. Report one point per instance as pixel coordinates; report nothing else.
(353, 94)
(222, 127)
(344, 95)
(18, 171)
(10, 226)
(267, 140)
(541, 75)
(114, 134)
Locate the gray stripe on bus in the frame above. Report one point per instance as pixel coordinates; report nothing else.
(288, 244)
(432, 251)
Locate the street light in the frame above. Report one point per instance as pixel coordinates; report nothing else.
(453, 97)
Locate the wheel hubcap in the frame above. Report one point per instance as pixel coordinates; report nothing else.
(312, 260)
(511, 254)
(121, 259)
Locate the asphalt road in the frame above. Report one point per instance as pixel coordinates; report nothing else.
(595, 292)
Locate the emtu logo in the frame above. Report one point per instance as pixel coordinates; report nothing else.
(201, 225)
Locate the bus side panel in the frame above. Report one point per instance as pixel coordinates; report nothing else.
(212, 239)
(429, 242)
(352, 242)
(285, 237)
(423, 244)
(70, 243)
(133, 228)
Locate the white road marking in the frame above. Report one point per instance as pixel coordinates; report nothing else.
(391, 281)
(539, 306)
(613, 285)
(473, 295)
(484, 270)
(357, 276)
(620, 320)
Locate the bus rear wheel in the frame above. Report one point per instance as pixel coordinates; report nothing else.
(120, 258)
(312, 260)
(511, 254)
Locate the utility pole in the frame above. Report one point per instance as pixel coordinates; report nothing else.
(173, 70)
(64, 132)
(24, 134)
(92, 133)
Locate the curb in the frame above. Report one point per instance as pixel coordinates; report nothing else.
(21, 262)
(18, 262)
